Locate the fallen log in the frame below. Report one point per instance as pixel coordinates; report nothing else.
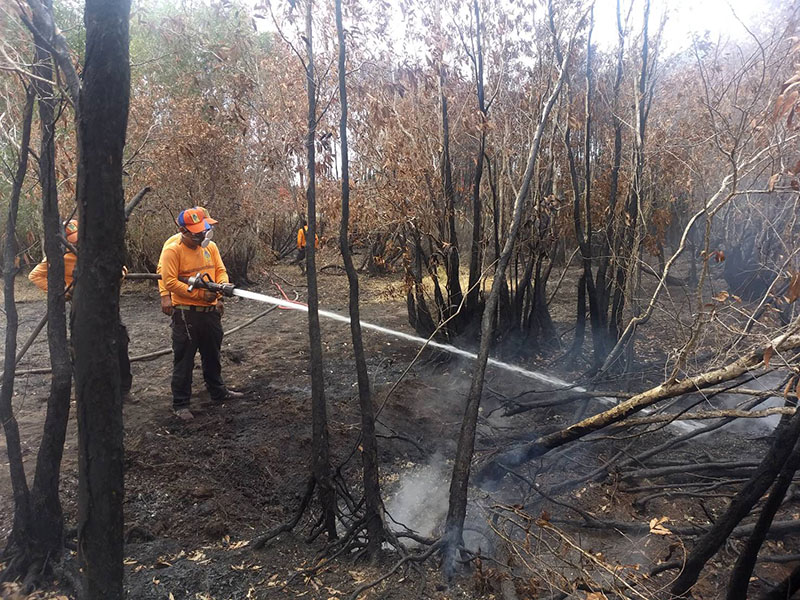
(734, 413)
(690, 468)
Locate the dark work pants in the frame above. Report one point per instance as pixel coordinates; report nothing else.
(193, 331)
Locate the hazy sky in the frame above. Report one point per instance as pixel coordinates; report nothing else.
(685, 18)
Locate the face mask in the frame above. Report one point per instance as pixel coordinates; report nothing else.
(203, 239)
(209, 234)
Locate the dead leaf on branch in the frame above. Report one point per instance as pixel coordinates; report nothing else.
(657, 526)
(772, 181)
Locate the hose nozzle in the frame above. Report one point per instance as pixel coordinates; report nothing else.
(203, 280)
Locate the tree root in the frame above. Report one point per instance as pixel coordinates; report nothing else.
(406, 559)
(260, 541)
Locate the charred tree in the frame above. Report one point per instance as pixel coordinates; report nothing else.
(582, 222)
(595, 318)
(16, 551)
(457, 505)
(419, 315)
(629, 249)
(451, 255)
(603, 285)
(786, 436)
(743, 569)
(102, 123)
(473, 292)
(49, 524)
(321, 466)
(369, 445)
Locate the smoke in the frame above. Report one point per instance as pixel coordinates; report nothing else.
(420, 502)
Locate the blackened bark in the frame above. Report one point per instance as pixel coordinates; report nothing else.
(786, 589)
(597, 321)
(519, 314)
(319, 415)
(102, 122)
(46, 505)
(477, 204)
(19, 485)
(743, 569)
(603, 285)
(451, 257)
(505, 296)
(419, 315)
(786, 436)
(369, 445)
(540, 321)
(633, 204)
(580, 322)
(457, 505)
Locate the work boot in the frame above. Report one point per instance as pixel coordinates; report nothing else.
(232, 395)
(184, 414)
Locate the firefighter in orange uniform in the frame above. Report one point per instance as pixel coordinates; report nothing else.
(196, 315)
(39, 277)
(301, 245)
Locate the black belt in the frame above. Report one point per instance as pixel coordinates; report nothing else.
(193, 308)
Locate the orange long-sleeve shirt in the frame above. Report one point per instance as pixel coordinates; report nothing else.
(162, 289)
(301, 238)
(178, 260)
(39, 273)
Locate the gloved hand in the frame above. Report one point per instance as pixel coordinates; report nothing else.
(227, 289)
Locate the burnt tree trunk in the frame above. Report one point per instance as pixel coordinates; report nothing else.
(20, 532)
(611, 330)
(630, 248)
(102, 122)
(505, 298)
(743, 569)
(786, 436)
(457, 505)
(540, 323)
(369, 445)
(580, 322)
(477, 205)
(49, 524)
(451, 257)
(596, 320)
(321, 466)
(419, 315)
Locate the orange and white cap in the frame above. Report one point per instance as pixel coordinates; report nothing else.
(196, 219)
